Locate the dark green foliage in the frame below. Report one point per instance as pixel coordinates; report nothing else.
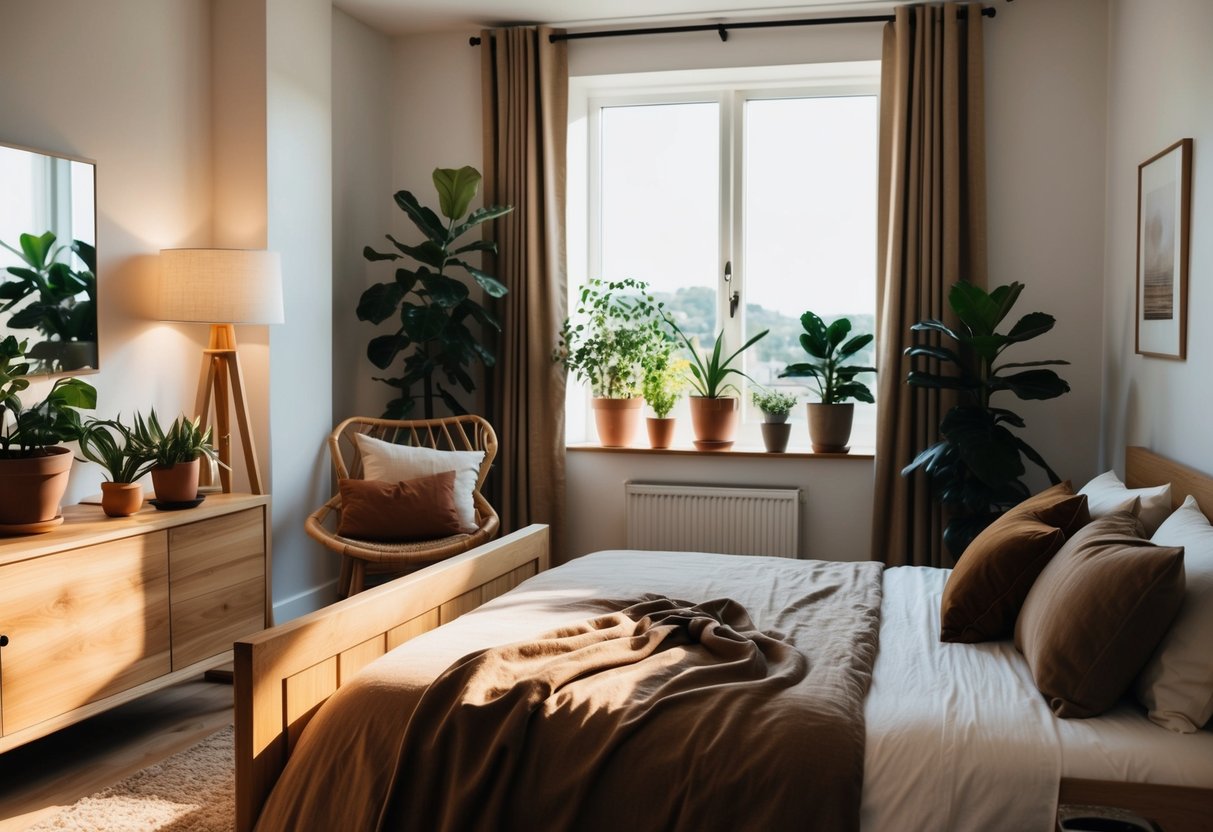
(63, 304)
(26, 431)
(435, 310)
(830, 347)
(977, 465)
(108, 443)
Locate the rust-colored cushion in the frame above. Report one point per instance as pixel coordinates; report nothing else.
(417, 509)
(986, 589)
(1097, 612)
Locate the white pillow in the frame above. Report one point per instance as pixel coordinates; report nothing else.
(1177, 683)
(389, 462)
(1106, 494)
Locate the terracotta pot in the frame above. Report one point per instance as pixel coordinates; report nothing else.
(121, 499)
(31, 488)
(714, 421)
(178, 484)
(661, 431)
(775, 436)
(830, 427)
(618, 421)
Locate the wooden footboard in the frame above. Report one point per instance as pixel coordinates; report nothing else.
(284, 674)
(1172, 808)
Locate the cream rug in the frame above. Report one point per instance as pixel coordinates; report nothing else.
(192, 791)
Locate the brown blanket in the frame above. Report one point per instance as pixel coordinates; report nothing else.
(654, 714)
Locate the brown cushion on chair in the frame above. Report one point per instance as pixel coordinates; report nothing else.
(986, 589)
(1097, 612)
(417, 509)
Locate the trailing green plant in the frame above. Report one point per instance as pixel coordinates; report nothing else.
(64, 305)
(434, 308)
(774, 402)
(976, 466)
(829, 345)
(183, 440)
(710, 375)
(614, 337)
(29, 431)
(665, 383)
(108, 443)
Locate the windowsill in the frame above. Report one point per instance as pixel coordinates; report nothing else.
(743, 451)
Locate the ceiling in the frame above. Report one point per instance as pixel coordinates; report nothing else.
(397, 17)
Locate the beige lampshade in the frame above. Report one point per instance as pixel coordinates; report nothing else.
(220, 286)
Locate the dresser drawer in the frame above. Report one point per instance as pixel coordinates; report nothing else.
(207, 624)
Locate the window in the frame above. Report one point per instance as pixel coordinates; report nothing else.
(714, 183)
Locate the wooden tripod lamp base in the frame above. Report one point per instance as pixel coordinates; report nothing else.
(222, 382)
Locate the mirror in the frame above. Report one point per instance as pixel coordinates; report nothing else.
(48, 260)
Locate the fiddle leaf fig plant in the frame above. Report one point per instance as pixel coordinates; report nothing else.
(435, 309)
(977, 464)
(830, 348)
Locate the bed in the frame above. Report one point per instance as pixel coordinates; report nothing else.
(974, 747)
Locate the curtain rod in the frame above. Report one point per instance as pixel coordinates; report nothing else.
(722, 29)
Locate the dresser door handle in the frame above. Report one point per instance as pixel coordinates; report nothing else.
(3, 641)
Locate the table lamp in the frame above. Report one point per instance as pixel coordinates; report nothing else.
(222, 287)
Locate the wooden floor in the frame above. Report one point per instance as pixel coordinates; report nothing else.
(43, 777)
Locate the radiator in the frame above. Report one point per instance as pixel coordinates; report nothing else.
(732, 520)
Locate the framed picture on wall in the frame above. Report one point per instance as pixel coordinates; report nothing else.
(1164, 196)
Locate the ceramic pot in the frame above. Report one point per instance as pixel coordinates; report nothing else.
(830, 427)
(661, 431)
(121, 499)
(714, 422)
(31, 488)
(178, 484)
(774, 418)
(775, 436)
(618, 421)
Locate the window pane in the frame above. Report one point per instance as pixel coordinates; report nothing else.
(810, 225)
(660, 205)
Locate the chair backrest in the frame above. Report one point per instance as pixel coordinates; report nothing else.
(452, 433)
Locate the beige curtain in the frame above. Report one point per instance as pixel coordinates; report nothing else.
(932, 233)
(525, 96)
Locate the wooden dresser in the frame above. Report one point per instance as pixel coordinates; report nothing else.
(103, 610)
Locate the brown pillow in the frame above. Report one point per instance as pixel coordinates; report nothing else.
(418, 509)
(1097, 612)
(986, 589)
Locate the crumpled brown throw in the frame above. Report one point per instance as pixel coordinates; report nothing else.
(664, 715)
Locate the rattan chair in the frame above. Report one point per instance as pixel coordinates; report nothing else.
(358, 557)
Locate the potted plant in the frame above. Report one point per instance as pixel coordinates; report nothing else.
(976, 465)
(713, 410)
(434, 308)
(108, 443)
(617, 331)
(830, 419)
(62, 305)
(33, 466)
(664, 385)
(175, 454)
(775, 407)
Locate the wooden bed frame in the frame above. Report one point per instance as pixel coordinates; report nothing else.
(284, 674)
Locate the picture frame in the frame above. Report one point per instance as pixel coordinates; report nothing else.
(1164, 198)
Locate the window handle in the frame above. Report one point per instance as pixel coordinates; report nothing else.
(734, 296)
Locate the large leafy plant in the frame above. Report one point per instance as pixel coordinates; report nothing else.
(977, 464)
(433, 307)
(830, 348)
(615, 336)
(711, 372)
(29, 431)
(63, 305)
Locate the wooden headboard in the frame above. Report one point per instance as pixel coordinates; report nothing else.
(1144, 468)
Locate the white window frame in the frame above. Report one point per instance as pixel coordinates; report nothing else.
(730, 88)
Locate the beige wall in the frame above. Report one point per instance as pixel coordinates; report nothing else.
(1160, 68)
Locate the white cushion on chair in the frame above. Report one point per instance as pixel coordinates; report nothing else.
(389, 462)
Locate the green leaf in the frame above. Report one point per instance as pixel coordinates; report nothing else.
(800, 371)
(814, 341)
(447, 292)
(1005, 297)
(453, 404)
(477, 217)
(423, 323)
(379, 302)
(1032, 384)
(854, 345)
(975, 309)
(934, 381)
(837, 331)
(382, 350)
(72, 392)
(427, 252)
(479, 245)
(491, 285)
(935, 326)
(1032, 454)
(1030, 326)
(1050, 363)
(456, 189)
(852, 390)
(372, 255)
(36, 250)
(425, 219)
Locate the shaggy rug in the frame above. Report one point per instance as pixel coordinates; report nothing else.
(192, 791)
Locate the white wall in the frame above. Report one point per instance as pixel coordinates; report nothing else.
(1046, 81)
(362, 201)
(1160, 68)
(127, 84)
